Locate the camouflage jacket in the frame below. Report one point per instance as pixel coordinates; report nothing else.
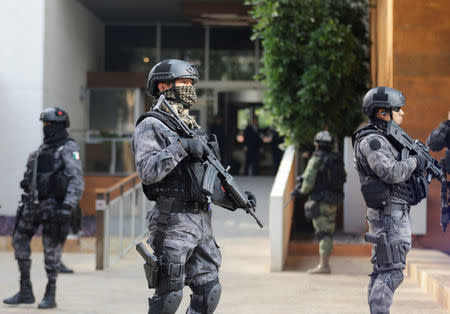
(157, 150)
(310, 174)
(376, 157)
(440, 137)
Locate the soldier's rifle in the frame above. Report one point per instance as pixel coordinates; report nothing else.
(409, 146)
(213, 167)
(30, 199)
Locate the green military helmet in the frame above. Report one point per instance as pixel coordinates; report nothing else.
(323, 138)
(382, 97)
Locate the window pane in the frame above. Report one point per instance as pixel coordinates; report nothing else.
(185, 43)
(130, 48)
(98, 157)
(232, 54)
(112, 110)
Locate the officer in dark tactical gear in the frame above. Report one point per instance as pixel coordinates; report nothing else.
(388, 184)
(171, 170)
(323, 180)
(440, 137)
(52, 186)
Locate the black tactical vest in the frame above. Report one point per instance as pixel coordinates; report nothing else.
(51, 181)
(407, 190)
(185, 181)
(330, 178)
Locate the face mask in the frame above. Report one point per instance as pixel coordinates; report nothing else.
(186, 95)
(54, 132)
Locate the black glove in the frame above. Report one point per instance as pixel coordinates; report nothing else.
(421, 162)
(251, 198)
(63, 215)
(193, 147)
(295, 193)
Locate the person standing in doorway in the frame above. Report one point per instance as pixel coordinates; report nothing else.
(253, 147)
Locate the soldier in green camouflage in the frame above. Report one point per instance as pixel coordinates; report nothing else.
(323, 180)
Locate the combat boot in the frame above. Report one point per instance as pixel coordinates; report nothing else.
(25, 294)
(64, 270)
(48, 301)
(323, 267)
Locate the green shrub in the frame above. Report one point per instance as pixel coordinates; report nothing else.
(314, 64)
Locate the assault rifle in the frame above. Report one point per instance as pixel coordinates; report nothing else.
(30, 199)
(409, 145)
(213, 168)
(445, 206)
(295, 191)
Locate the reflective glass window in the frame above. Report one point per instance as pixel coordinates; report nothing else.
(130, 48)
(185, 43)
(232, 54)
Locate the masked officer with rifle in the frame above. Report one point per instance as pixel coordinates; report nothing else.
(391, 168)
(52, 186)
(323, 181)
(439, 139)
(179, 166)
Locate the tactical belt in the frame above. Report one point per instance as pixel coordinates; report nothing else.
(395, 209)
(173, 205)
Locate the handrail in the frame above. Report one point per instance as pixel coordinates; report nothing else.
(131, 178)
(124, 203)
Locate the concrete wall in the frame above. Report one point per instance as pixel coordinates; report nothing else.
(281, 209)
(421, 54)
(48, 46)
(74, 45)
(410, 52)
(21, 93)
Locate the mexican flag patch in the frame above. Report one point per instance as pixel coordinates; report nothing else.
(76, 155)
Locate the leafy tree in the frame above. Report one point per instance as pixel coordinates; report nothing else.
(314, 64)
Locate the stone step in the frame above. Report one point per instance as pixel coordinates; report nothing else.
(308, 248)
(430, 269)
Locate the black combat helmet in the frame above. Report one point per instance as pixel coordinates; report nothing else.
(169, 70)
(55, 114)
(323, 138)
(382, 97)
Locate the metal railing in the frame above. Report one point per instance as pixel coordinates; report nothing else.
(121, 219)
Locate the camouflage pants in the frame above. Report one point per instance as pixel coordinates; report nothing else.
(324, 226)
(385, 279)
(189, 240)
(26, 228)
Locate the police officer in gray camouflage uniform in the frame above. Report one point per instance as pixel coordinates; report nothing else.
(52, 186)
(171, 170)
(387, 184)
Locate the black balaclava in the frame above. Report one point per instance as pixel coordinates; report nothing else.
(54, 132)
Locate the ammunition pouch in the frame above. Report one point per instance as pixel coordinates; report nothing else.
(312, 209)
(375, 192)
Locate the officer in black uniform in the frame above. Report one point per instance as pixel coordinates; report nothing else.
(172, 173)
(52, 186)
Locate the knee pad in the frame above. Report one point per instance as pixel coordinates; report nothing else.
(206, 297)
(167, 304)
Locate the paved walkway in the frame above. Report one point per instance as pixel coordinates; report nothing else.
(248, 286)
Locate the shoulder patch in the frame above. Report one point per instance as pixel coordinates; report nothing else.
(76, 155)
(375, 144)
